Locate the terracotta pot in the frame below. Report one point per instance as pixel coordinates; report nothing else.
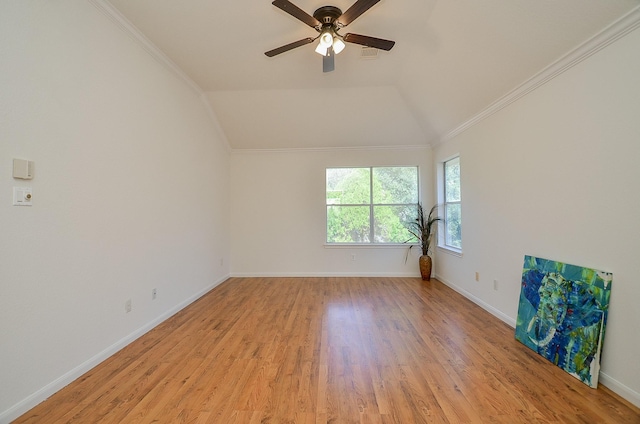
(425, 267)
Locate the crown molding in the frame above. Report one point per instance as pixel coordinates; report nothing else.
(128, 28)
(328, 149)
(618, 29)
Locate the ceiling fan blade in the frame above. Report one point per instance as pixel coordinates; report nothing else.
(296, 12)
(289, 46)
(365, 40)
(329, 61)
(356, 9)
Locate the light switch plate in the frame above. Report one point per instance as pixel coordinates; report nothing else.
(22, 196)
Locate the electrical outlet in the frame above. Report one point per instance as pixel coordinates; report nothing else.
(127, 306)
(353, 256)
(495, 285)
(477, 276)
(154, 294)
(221, 261)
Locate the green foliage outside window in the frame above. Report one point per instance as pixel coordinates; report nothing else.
(452, 204)
(370, 205)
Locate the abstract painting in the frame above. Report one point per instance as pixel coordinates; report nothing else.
(562, 315)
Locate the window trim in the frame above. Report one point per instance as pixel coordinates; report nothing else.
(371, 206)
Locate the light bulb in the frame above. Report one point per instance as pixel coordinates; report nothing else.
(338, 45)
(321, 49)
(326, 39)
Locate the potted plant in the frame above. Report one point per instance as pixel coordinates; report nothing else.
(422, 229)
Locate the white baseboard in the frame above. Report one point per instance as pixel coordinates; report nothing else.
(493, 311)
(604, 379)
(322, 274)
(620, 389)
(45, 392)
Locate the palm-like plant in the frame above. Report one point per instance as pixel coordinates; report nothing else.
(422, 228)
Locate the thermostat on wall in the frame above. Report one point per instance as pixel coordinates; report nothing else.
(22, 169)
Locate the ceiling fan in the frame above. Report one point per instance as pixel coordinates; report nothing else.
(328, 20)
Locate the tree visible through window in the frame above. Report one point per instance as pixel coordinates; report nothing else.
(452, 204)
(370, 205)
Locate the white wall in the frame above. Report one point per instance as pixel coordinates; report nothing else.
(278, 220)
(131, 192)
(556, 175)
(366, 116)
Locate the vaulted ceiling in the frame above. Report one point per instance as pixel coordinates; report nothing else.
(451, 60)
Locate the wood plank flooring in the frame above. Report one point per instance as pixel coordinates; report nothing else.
(330, 350)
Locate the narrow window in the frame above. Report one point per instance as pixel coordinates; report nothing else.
(452, 204)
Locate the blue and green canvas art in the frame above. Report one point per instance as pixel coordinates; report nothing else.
(562, 314)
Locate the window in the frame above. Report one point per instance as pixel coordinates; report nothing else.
(452, 204)
(370, 205)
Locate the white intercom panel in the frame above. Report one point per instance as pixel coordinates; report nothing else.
(22, 169)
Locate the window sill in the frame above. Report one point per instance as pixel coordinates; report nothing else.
(367, 245)
(450, 251)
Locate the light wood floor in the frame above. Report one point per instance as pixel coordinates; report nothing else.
(330, 350)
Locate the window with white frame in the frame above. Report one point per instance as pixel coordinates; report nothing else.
(452, 204)
(370, 205)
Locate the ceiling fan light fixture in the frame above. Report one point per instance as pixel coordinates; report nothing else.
(321, 50)
(326, 41)
(338, 45)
